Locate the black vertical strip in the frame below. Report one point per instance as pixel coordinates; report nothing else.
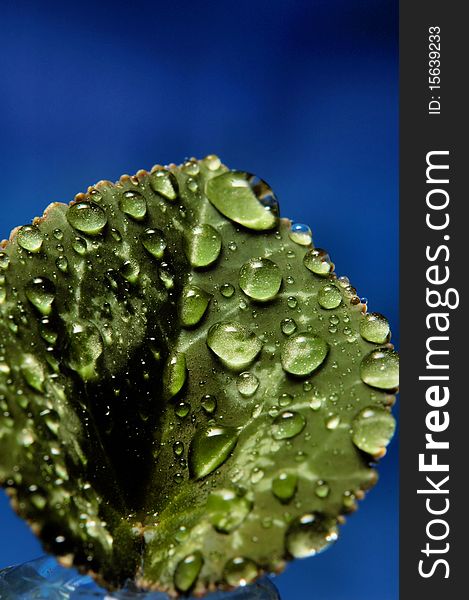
(434, 339)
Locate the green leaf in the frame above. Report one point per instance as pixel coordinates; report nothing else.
(189, 396)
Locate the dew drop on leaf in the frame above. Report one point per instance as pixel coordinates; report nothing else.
(287, 424)
(202, 245)
(209, 404)
(300, 234)
(87, 217)
(209, 449)
(303, 353)
(227, 510)
(41, 293)
(380, 369)
(174, 374)
(372, 430)
(164, 182)
(133, 204)
(309, 534)
(374, 328)
(30, 238)
(260, 279)
(235, 345)
(329, 296)
(240, 571)
(284, 486)
(318, 262)
(187, 571)
(244, 199)
(193, 304)
(154, 242)
(247, 384)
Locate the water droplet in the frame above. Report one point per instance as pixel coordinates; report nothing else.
(30, 238)
(182, 409)
(210, 448)
(178, 448)
(236, 346)
(322, 489)
(193, 304)
(130, 270)
(202, 245)
(284, 486)
(80, 246)
(303, 353)
(332, 422)
(309, 534)
(227, 510)
(247, 384)
(154, 242)
(300, 234)
(260, 279)
(380, 369)
(257, 475)
(174, 374)
(47, 332)
(84, 348)
(374, 327)
(292, 302)
(192, 185)
(87, 217)
(287, 424)
(164, 182)
(4, 261)
(232, 246)
(41, 293)
(329, 296)
(285, 400)
(62, 263)
(318, 262)
(133, 204)
(288, 326)
(244, 199)
(227, 290)
(213, 162)
(58, 234)
(116, 234)
(209, 404)
(372, 430)
(191, 167)
(240, 571)
(166, 275)
(187, 571)
(33, 372)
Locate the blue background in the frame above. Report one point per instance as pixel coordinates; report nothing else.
(302, 93)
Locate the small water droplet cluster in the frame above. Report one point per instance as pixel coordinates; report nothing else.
(180, 371)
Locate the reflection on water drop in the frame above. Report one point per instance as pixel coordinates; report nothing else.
(300, 234)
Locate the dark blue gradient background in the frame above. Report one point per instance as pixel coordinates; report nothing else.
(302, 93)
